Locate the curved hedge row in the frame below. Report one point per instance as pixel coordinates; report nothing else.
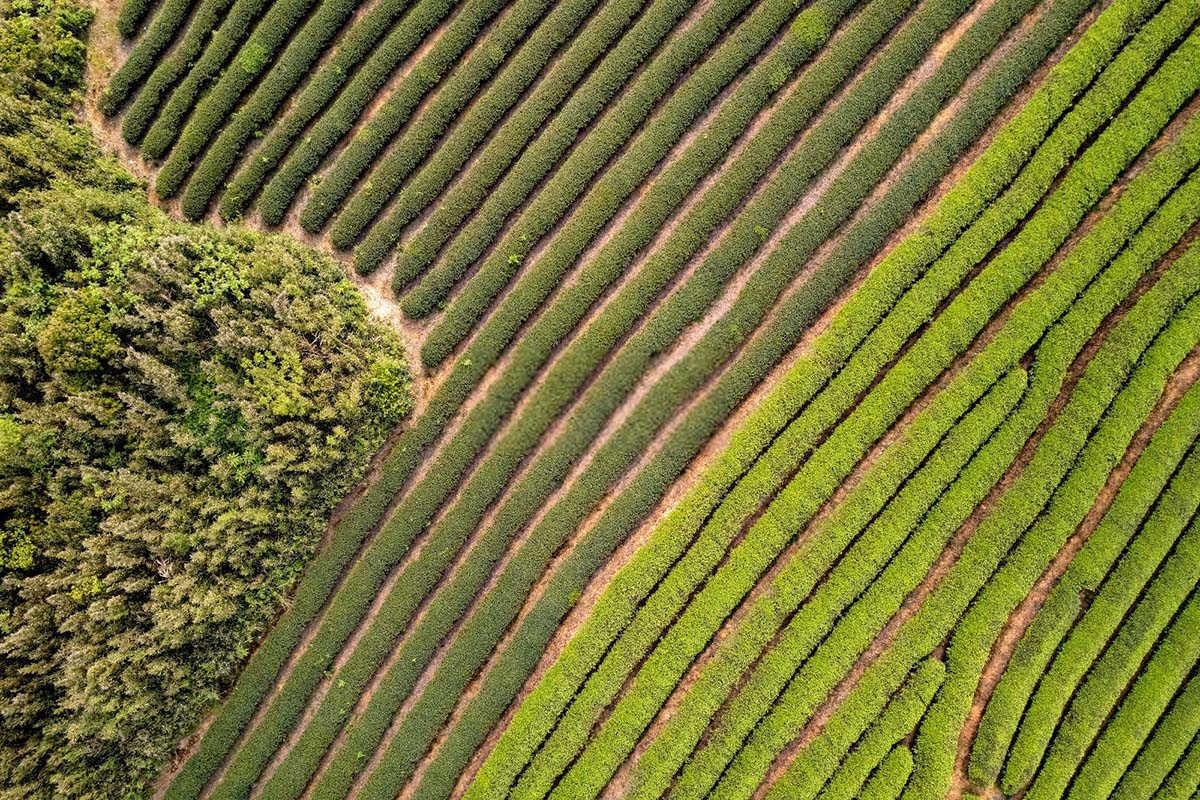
(1122, 656)
(1164, 749)
(888, 781)
(1098, 447)
(1018, 507)
(259, 110)
(643, 493)
(547, 142)
(968, 198)
(843, 775)
(505, 141)
(895, 550)
(146, 51)
(1160, 684)
(1151, 629)
(1141, 493)
(751, 765)
(168, 70)
(219, 48)
(516, 51)
(259, 51)
(365, 57)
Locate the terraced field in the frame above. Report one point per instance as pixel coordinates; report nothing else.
(808, 402)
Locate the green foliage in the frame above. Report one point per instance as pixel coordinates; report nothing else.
(339, 119)
(180, 411)
(145, 55)
(516, 52)
(355, 59)
(158, 126)
(292, 66)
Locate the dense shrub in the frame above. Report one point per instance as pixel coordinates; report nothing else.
(181, 410)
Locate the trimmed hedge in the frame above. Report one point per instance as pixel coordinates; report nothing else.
(1125, 531)
(1184, 781)
(574, 175)
(360, 44)
(968, 649)
(473, 21)
(968, 198)
(627, 172)
(1166, 748)
(842, 775)
(888, 781)
(146, 51)
(1109, 743)
(365, 56)
(215, 108)
(219, 48)
(518, 48)
(1140, 752)
(858, 542)
(1021, 505)
(129, 19)
(258, 111)
(170, 68)
(641, 497)
(1022, 331)
(1086, 721)
(431, 130)
(546, 142)
(465, 653)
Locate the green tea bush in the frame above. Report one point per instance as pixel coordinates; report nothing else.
(453, 39)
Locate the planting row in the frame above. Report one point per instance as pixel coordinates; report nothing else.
(506, 63)
(546, 709)
(418, 579)
(603, 468)
(1165, 748)
(145, 54)
(369, 53)
(1141, 493)
(928, 361)
(1012, 514)
(820, 674)
(574, 173)
(546, 141)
